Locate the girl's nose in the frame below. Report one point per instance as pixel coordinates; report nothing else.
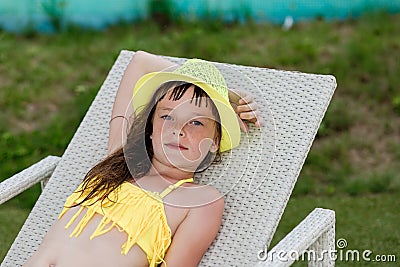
(178, 131)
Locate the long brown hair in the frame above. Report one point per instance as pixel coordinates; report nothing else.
(133, 160)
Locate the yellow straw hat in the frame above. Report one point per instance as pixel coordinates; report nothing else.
(204, 75)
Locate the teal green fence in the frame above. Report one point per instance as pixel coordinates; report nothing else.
(49, 15)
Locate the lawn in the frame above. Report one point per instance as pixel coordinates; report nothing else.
(48, 81)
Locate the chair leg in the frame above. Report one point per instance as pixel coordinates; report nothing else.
(43, 183)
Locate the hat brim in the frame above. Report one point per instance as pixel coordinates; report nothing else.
(149, 83)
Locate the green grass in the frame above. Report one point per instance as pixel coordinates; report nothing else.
(48, 81)
(367, 222)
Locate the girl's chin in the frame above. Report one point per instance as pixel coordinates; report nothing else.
(182, 157)
(179, 160)
(183, 164)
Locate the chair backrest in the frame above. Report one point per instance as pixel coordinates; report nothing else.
(256, 179)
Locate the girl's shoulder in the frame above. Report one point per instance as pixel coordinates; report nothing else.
(196, 195)
(209, 189)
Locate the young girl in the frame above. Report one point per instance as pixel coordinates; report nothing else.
(139, 206)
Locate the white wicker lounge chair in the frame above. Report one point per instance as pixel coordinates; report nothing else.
(257, 178)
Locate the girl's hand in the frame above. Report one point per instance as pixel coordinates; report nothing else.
(246, 107)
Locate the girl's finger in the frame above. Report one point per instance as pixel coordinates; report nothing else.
(260, 121)
(246, 99)
(253, 106)
(250, 116)
(238, 92)
(235, 96)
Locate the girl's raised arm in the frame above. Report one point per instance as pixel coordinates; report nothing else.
(141, 64)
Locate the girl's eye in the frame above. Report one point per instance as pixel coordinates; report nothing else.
(197, 123)
(166, 117)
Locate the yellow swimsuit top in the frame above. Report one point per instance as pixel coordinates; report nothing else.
(138, 212)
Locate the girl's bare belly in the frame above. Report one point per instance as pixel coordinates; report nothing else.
(60, 250)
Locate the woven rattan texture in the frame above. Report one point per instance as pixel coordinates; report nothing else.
(316, 233)
(25, 179)
(256, 179)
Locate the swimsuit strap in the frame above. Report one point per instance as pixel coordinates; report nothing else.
(174, 186)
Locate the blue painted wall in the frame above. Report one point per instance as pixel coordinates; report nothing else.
(17, 15)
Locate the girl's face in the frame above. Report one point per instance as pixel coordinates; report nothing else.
(183, 132)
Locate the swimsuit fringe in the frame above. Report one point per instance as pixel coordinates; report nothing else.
(147, 216)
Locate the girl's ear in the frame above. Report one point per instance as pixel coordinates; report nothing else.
(215, 146)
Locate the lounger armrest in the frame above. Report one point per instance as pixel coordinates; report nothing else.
(313, 240)
(25, 179)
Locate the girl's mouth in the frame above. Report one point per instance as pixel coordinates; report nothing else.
(176, 146)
